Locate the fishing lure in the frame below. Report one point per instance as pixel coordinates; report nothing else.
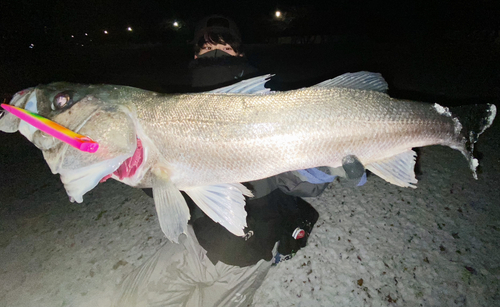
(69, 137)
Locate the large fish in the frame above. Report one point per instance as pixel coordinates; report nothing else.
(206, 144)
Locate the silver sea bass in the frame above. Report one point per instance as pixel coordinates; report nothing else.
(206, 144)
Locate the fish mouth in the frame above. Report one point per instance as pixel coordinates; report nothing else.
(79, 181)
(125, 168)
(25, 99)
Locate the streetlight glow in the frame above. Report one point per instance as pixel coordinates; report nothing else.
(277, 14)
(105, 32)
(176, 24)
(129, 29)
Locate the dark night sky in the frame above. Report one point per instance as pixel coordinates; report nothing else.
(54, 19)
(27, 16)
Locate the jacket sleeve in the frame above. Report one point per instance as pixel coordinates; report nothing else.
(291, 184)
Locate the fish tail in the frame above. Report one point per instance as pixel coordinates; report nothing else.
(473, 120)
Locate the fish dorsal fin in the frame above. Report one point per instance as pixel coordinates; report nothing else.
(223, 203)
(172, 210)
(398, 170)
(362, 80)
(249, 86)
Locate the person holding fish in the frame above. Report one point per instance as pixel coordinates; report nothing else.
(275, 209)
(279, 221)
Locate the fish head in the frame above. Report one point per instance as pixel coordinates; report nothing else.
(41, 100)
(86, 110)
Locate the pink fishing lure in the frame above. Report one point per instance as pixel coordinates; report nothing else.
(74, 139)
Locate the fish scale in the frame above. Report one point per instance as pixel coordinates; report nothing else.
(256, 137)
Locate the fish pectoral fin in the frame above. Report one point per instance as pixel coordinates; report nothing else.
(398, 170)
(223, 203)
(172, 210)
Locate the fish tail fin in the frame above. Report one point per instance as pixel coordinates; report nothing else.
(473, 121)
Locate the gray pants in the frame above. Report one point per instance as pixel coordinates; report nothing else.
(182, 275)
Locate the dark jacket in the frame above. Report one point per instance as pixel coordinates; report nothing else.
(270, 219)
(213, 72)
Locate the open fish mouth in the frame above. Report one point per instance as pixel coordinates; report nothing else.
(125, 168)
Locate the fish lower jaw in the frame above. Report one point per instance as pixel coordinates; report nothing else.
(79, 181)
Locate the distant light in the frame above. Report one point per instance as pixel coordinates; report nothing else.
(86, 34)
(278, 14)
(176, 24)
(129, 29)
(72, 36)
(31, 46)
(105, 32)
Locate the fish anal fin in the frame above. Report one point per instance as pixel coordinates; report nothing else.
(172, 210)
(398, 169)
(223, 203)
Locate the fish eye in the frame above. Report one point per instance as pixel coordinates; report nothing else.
(63, 100)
